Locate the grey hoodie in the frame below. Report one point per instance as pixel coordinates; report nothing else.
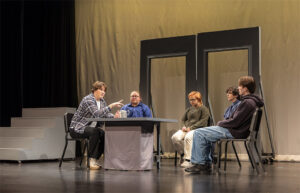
(239, 122)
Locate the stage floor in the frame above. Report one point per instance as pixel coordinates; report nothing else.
(44, 177)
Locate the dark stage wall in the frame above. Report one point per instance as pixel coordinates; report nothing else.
(38, 67)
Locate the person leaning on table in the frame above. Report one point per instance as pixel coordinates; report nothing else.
(93, 106)
(136, 108)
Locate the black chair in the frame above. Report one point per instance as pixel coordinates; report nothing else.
(249, 143)
(85, 141)
(175, 163)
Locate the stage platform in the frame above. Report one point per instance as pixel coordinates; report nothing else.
(38, 135)
(46, 177)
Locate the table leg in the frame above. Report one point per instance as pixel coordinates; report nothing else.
(158, 146)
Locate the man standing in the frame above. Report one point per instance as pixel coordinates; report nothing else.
(136, 108)
(237, 126)
(92, 106)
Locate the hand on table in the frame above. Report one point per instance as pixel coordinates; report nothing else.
(117, 114)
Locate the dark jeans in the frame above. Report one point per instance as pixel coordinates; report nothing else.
(96, 140)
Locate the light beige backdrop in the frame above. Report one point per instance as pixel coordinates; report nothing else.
(108, 35)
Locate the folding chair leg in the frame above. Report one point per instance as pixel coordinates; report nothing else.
(84, 148)
(88, 156)
(63, 154)
(175, 158)
(225, 161)
(259, 157)
(250, 158)
(236, 155)
(219, 155)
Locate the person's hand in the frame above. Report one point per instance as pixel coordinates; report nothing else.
(117, 114)
(187, 129)
(116, 104)
(183, 128)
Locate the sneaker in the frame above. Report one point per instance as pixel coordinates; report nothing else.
(98, 162)
(94, 165)
(186, 164)
(198, 168)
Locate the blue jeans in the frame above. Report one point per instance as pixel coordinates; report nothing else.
(203, 141)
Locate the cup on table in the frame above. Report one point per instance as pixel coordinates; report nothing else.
(123, 114)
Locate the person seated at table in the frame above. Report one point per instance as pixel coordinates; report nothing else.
(194, 117)
(237, 126)
(232, 96)
(136, 108)
(92, 106)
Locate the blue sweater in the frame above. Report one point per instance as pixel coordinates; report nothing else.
(141, 110)
(231, 109)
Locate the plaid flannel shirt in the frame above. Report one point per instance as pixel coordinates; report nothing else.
(88, 109)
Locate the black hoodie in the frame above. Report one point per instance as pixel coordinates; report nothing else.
(239, 122)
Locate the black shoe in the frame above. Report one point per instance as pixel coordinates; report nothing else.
(198, 168)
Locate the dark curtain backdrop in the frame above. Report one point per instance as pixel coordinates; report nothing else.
(11, 14)
(38, 67)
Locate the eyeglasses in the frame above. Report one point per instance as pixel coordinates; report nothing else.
(192, 99)
(134, 96)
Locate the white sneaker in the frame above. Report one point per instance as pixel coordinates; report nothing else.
(94, 165)
(186, 164)
(98, 162)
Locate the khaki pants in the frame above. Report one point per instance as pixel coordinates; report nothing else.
(183, 142)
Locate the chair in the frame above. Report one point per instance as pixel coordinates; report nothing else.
(67, 122)
(249, 143)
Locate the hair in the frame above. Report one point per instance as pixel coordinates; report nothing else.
(234, 91)
(248, 82)
(197, 95)
(136, 92)
(98, 85)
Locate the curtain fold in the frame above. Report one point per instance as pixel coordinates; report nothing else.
(49, 54)
(11, 14)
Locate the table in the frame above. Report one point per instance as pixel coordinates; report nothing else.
(142, 122)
